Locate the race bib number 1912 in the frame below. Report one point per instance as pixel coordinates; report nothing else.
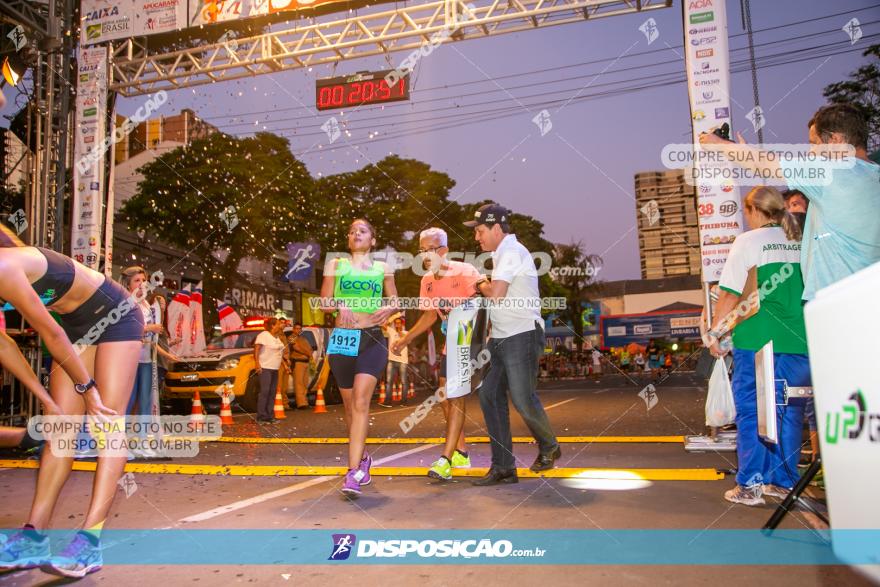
(344, 341)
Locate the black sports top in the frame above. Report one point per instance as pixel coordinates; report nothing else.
(57, 280)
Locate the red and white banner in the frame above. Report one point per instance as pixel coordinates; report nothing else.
(707, 61)
(229, 318)
(197, 325)
(178, 322)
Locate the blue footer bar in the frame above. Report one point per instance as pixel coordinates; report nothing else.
(525, 547)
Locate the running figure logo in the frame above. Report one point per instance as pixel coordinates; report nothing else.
(302, 258)
(343, 544)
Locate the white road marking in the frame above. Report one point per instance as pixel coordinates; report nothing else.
(238, 505)
(387, 411)
(551, 406)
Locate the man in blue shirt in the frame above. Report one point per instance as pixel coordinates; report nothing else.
(842, 228)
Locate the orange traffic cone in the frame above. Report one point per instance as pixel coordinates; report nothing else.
(197, 416)
(382, 393)
(226, 407)
(279, 407)
(320, 406)
(398, 393)
(412, 391)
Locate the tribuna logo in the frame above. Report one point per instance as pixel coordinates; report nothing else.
(699, 4)
(102, 13)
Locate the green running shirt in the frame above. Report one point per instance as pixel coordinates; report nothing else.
(362, 286)
(780, 316)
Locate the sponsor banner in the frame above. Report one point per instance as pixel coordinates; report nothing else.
(461, 333)
(708, 71)
(839, 330)
(106, 20)
(159, 16)
(619, 331)
(202, 12)
(88, 178)
(337, 547)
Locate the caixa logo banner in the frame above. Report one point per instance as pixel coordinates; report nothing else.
(853, 420)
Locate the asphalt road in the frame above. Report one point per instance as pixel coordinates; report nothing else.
(610, 407)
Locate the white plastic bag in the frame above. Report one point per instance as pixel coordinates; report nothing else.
(720, 409)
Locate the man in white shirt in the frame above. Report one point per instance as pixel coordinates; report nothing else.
(516, 344)
(596, 357)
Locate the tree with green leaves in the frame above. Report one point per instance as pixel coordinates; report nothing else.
(399, 197)
(573, 273)
(224, 199)
(863, 90)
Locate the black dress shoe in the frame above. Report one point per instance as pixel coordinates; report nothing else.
(496, 476)
(547, 461)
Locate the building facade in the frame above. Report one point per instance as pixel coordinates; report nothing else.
(666, 212)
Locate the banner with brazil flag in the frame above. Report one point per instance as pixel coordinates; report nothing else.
(465, 354)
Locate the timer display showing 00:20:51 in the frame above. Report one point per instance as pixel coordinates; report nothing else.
(359, 93)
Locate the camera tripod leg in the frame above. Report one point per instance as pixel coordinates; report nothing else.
(793, 496)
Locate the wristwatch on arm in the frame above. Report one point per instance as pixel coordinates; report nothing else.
(483, 279)
(82, 388)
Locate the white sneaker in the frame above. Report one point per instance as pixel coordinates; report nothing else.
(745, 495)
(775, 491)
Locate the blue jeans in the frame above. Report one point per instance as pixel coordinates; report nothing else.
(393, 368)
(266, 398)
(513, 371)
(759, 461)
(142, 393)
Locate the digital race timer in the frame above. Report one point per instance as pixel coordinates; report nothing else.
(360, 89)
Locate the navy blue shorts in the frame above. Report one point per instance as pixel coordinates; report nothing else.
(371, 359)
(109, 315)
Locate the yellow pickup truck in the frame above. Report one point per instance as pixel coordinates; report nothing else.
(228, 360)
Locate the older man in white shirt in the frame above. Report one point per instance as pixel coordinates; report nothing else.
(515, 346)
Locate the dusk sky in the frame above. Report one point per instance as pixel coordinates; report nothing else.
(578, 179)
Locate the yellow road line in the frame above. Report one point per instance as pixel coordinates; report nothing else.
(297, 471)
(440, 440)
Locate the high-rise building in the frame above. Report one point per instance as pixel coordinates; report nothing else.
(666, 211)
(158, 135)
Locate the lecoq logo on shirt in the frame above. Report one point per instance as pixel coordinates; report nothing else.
(360, 285)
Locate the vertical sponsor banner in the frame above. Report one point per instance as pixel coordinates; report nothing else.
(88, 155)
(708, 72)
(460, 328)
